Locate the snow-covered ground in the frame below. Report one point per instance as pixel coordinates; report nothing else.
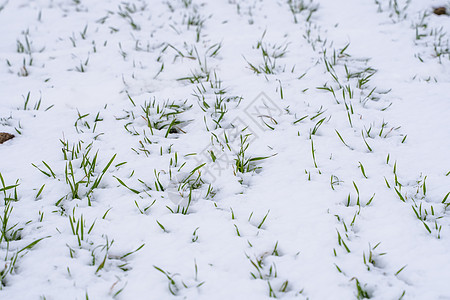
(224, 149)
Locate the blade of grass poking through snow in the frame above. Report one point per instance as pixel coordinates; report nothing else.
(260, 158)
(316, 127)
(5, 188)
(129, 98)
(173, 288)
(237, 230)
(424, 186)
(263, 220)
(51, 174)
(132, 252)
(401, 269)
(32, 244)
(370, 200)
(340, 137)
(445, 198)
(161, 226)
(313, 153)
(169, 128)
(426, 227)
(40, 191)
(123, 183)
(362, 170)
(100, 177)
(301, 119)
(185, 210)
(399, 195)
(368, 147)
(159, 187)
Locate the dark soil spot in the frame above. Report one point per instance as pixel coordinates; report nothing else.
(440, 11)
(173, 130)
(5, 136)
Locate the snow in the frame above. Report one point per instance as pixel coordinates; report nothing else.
(224, 149)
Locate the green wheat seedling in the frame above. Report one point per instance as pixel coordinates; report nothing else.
(9, 267)
(350, 80)
(8, 232)
(83, 123)
(397, 9)
(24, 46)
(370, 258)
(7, 196)
(161, 119)
(313, 37)
(126, 10)
(342, 139)
(262, 270)
(427, 36)
(103, 251)
(363, 171)
(314, 130)
(330, 89)
(358, 200)
(187, 53)
(79, 227)
(176, 284)
(202, 73)
(87, 180)
(441, 44)
(189, 187)
(341, 242)
(183, 209)
(164, 117)
(103, 259)
(193, 180)
(270, 53)
(429, 213)
(243, 163)
(214, 100)
(121, 261)
(144, 210)
(10, 122)
(11, 259)
(194, 19)
(302, 6)
(82, 66)
(334, 180)
(365, 142)
(195, 235)
(26, 106)
(184, 4)
(263, 220)
(313, 153)
(80, 173)
(36, 106)
(362, 293)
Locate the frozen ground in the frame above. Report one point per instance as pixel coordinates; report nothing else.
(224, 149)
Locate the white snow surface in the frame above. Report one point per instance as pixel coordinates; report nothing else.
(226, 149)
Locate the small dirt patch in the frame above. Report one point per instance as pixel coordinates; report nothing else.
(440, 11)
(5, 136)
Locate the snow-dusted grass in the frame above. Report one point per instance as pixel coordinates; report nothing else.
(224, 149)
